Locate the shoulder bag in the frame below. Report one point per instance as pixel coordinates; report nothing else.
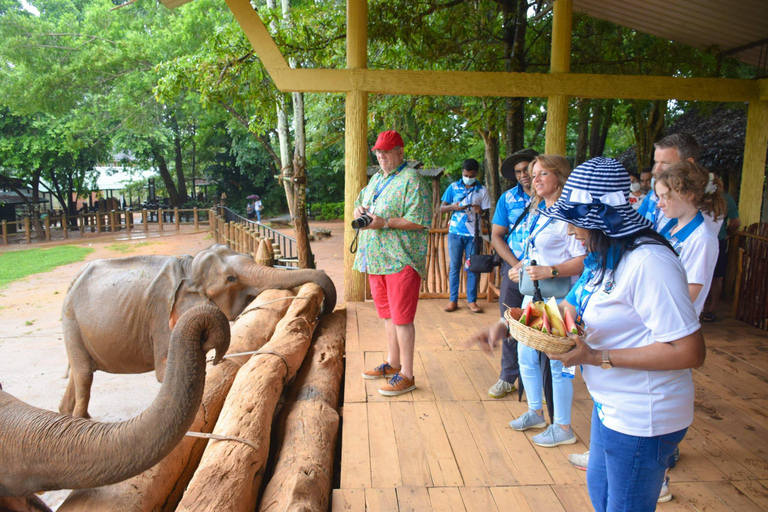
(552, 287)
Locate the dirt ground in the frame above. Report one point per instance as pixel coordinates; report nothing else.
(33, 360)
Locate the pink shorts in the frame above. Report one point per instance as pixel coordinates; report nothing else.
(396, 295)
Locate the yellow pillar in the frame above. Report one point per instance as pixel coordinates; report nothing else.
(557, 106)
(356, 141)
(753, 172)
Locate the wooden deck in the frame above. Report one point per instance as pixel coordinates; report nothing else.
(447, 446)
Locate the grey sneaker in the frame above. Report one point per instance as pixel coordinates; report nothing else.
(528, 420)
(666, 494)
(500, 389)
(554, 436)
(579, 460)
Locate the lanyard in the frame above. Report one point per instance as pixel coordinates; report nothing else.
(587, 276)
(683, 233)
(532, 238)
(381, 188)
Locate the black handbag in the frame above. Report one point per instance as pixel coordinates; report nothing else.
(482, 263)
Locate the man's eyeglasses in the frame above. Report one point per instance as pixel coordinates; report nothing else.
(378, 152)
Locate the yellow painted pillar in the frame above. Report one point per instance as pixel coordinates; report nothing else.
(356, 141)
(557, 106)
(753, 172)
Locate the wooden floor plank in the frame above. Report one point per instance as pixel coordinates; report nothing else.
(458, 378)
(757, 491)
(423, 391)
(468, 457)
(740, 383)
(371, 329)
(380, 500)
(352, 341)
(753, 356)
(480, 373)
(575, 498)
(739, 426)
(446, 498)
(729, 445)
(343, 500)
(478, 499)
(707, 460)
(385, 463)
(356, 461)
(732, 365)
(542, 497)
(510, 499)
(354, 384)
(413, 499)
(439, 379)
(699, 496)
(497, 460)
(444, 470)
(414, 466)
(733, 497)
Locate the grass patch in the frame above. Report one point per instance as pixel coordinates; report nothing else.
(126, 248)
(20, 264)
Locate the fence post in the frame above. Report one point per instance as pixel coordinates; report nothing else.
(5, 232)
(111, 219)
(197, 220)
(160, 219)
(128, 221)
(26, 228)
(176, 218)
(81, 223)
(144, 220)
(98, 222)
(65, 225)
(48, 228)
(229, 234)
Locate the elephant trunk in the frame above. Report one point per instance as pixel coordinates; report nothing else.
(264, 278)
(42, 450)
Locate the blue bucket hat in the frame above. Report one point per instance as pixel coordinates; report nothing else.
(596, 196)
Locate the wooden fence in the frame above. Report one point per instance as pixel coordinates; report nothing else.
(748, 271)
(243, 236)
(53, 227)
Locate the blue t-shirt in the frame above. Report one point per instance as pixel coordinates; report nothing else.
(510, 206)
(733, 213)
(461, 223)
(651, 211)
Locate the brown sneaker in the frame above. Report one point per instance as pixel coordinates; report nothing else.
(452, 306)
(398, 385)
(383, 371)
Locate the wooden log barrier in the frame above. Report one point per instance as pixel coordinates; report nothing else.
(309, 426)
(160, 487)
(230, 472)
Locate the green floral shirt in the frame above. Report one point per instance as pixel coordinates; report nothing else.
(388, 251)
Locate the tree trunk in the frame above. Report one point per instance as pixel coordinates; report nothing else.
(648, 128)
(582, 116)
(162, 166)
(160, 488)
(301, 223)
(491, 142)
(230, 472)
(595, 127)
(515, 23)
(606, 125)
(309, 426)
(179, 163)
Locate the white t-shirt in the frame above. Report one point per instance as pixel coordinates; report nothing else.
(698, 252)
(709, 220)
(549, 242)
(647, 302)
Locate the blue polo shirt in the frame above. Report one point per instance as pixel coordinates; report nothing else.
(462, 224)
(510, 206)
(651, 211)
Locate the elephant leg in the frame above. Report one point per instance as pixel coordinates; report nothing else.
(83, 381)
(29, 503)
(67, 404)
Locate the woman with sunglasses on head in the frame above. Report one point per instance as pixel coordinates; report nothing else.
(642, 337)
(557, 255)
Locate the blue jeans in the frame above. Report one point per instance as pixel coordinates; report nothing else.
(459, 249)
(625, 473)
(258, 215)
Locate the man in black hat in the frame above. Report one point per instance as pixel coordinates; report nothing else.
(508, 238)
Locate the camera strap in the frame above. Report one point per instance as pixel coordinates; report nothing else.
(353, 245)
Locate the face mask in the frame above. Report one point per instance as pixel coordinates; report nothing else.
(653, 183)
(468, 181)
(635, 186)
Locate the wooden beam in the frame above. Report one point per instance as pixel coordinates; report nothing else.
(259, 37)
(355, 141)
(501, 84)
(753, 172)
(557, 105)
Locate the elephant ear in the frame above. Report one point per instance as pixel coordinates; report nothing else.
(184, 297)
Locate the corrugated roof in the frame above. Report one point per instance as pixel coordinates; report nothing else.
(699, 23)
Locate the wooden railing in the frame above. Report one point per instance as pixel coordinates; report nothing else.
(243, 235)
(53, 226)
(748, 270)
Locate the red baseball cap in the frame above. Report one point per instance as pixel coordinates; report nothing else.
(388, 140)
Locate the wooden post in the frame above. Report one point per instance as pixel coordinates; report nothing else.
(557, 106)
(81, 223)
(753, 172)
(160, 219)
(98, 222)
(128, 221)
(112, 219)
(26, 230)
(144, 220)
(228, 235)
(176, 218)
(356, 141)
(5, 232)
(196, 218)
(48, 228)
(65, 225)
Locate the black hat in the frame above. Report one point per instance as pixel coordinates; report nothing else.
(508, 166)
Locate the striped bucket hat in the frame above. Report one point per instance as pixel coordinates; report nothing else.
(596, 196)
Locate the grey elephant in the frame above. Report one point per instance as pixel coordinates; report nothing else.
(43, 450)
(118, 313)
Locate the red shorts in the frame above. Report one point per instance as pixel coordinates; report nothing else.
(396, 295)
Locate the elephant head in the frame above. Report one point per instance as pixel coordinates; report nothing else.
(42, 450)
(232, 279)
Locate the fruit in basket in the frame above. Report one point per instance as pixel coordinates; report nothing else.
(570, 325)
(546, 326)
(526, 317)
(553, 314)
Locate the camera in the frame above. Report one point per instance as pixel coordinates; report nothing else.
(361, 222)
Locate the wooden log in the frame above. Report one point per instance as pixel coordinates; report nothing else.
(230, 472)
(160, 488)
(264, 255)
(309, 426)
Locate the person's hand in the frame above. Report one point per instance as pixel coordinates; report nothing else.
(457, 206)
(360, 211)
(580, 354)
(476, 208)
(514, 272)
(488, 338)
(539, 272)
(376, 222)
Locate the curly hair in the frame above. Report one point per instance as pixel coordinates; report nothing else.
(704, 188)
(556, 164)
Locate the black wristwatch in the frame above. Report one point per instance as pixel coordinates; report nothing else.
(554, 272)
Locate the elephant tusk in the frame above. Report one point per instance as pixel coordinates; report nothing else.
(218, 437)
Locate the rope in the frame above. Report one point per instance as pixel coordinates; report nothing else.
(217, 437)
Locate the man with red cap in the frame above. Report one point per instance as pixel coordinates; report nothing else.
(393, 251)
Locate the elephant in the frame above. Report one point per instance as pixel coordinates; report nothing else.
(118, 313)
(43, 450)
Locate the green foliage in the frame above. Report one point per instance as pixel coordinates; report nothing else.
(17, 265)
(328, 211)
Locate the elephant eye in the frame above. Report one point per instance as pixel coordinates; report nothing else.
(230, 279)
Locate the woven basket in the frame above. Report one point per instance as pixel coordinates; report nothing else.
(547, 343)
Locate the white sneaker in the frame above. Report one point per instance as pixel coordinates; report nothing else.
(665, 495)
(501, 389)
(579, 460)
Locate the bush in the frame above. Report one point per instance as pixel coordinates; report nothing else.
(327, 211)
